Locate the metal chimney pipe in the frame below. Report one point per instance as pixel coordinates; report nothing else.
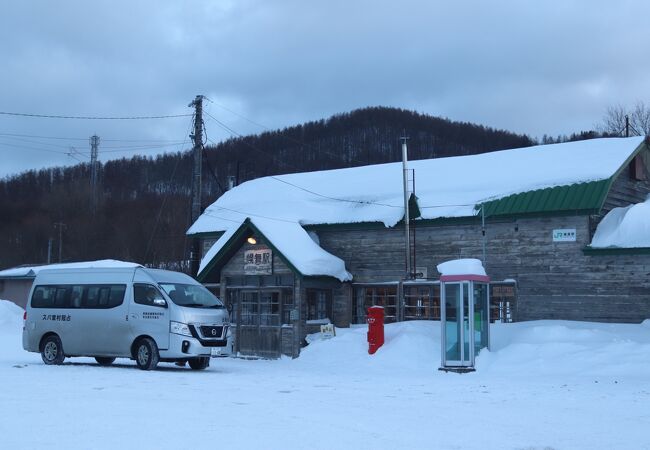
(409, 271)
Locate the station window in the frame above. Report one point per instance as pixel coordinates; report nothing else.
(319, 304)
(374, 295)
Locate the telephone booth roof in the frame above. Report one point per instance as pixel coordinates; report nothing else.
(467, 269)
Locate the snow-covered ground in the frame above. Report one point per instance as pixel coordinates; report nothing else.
(545, 385)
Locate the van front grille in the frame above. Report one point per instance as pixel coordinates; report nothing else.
(209, 332)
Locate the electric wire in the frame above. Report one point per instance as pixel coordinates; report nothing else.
(362, 202)
(61, 138)
(54, 116)
(164, 201)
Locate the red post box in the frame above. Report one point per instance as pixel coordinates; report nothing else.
(375, 328)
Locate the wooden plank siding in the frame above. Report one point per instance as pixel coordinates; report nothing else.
(555, 280)
(290, 335)
(625, 190)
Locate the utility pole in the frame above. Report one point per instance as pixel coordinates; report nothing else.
(61, 226)
(197, 137)
(627, 126)
(409, 271)
(94, 147)
(49, 251)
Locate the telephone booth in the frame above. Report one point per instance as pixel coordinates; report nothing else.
(464, 315)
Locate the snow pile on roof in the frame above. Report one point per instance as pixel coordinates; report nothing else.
(627, 227)
(445, 187)
(466, 266)
(10, 314)
(31, 271)
(295, 244)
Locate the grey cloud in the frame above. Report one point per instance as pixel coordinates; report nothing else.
(526, 66)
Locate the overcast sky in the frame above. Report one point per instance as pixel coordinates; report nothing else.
(526, 66)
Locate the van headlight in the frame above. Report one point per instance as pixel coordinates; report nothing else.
(179, 328)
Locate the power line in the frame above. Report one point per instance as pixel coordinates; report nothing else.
(249, 214)
(242, 117)
(12, 145)
(51, 116)
(174, 141)
(362, 202)
(284, 136)
(164, 201)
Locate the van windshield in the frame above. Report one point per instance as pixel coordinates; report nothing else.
(191, 295)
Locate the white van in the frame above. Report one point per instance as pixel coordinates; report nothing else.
(148, 315)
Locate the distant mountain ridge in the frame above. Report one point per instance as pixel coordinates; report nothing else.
(143, 209)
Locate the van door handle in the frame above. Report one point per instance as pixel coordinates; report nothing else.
(134, 316)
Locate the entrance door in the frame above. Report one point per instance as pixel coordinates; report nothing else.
(259, 323)
(481, 316)
(458, 335)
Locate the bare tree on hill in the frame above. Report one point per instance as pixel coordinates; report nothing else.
(639, 120)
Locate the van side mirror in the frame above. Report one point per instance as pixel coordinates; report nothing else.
(160, 302)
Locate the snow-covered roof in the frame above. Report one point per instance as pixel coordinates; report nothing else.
(464, 266)
(294, 243)
(445, 187)
(31, 271)
(627, 227)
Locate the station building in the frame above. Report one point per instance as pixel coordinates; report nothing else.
(288, 253)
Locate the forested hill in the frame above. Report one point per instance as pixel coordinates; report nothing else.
(142, 209)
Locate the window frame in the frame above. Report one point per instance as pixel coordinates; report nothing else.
(323, 298)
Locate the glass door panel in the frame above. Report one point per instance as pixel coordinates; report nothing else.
(467, 331)
(481, 316)
(453, 313)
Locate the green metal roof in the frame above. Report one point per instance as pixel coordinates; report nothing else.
(584, 197)
(587, 198)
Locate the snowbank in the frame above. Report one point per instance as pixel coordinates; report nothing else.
(10, 314)
(627, 227)
(587, 382)
(527, 349)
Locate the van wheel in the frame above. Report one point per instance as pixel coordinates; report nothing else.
(146, 354)
(52, 350)
(104, 360)
(199, 363)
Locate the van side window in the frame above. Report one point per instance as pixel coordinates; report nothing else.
(146, 294)
(43, 297)
(82, 296)
(62, 297)
(116, 297)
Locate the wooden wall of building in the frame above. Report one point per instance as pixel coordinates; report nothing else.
(16, 290)
(555, 280)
